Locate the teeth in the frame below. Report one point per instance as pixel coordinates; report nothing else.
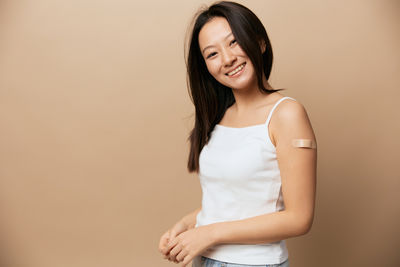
(236, 70)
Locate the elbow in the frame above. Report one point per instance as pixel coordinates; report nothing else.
(304, 229)
(303, 226)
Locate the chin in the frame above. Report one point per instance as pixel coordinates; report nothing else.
(243, 85)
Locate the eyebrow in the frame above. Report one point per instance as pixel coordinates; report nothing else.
(209, 46)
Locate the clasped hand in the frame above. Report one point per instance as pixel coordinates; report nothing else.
(183, 245)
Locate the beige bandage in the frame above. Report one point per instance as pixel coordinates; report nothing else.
(304, 143)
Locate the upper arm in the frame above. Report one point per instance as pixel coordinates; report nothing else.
(297, 165)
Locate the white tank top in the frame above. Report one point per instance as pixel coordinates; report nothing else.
(240, 178)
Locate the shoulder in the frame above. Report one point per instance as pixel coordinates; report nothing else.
(289, 110)
(290, 119)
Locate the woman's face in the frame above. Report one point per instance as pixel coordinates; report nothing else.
(225, 59)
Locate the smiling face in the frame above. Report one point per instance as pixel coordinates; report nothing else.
(225, 59)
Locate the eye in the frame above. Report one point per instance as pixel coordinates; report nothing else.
(233, 42)
(211, 54)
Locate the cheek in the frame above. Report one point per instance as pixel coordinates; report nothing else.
(212, 68)
(239, 51)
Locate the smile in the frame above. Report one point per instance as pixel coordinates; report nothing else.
(239, 68)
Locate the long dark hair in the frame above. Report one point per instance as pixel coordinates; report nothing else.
(210, 98)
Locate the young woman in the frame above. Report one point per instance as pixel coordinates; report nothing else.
(253, 148)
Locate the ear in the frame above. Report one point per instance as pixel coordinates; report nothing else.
(263, 46)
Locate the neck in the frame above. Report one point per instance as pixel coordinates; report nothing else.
(249, 98)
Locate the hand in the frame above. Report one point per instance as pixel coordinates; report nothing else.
(190, 243)
(178, 228)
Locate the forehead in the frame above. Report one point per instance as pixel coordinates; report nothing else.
(214, 31)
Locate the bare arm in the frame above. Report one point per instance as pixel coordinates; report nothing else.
(190, 219)
(298, 174)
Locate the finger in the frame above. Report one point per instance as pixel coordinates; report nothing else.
(181, 255)
(172, 243)
(175, 251)
(163, 249)
(163, 243)
(186, 260)
(165, 235)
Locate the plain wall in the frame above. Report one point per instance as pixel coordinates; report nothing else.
(95, 115)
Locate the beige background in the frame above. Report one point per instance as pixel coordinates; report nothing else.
(94, 116)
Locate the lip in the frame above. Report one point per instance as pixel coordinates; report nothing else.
(237, 73)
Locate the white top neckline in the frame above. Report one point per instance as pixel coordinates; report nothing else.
(260, 124)
(244, 127)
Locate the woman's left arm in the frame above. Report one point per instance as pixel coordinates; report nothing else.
(298, 175)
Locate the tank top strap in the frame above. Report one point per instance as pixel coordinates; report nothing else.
(274, 107)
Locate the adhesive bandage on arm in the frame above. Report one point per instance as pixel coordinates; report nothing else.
(304, 143)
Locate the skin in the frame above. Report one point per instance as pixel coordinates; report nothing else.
(297, 166)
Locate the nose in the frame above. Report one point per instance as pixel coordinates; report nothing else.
(228, 58)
